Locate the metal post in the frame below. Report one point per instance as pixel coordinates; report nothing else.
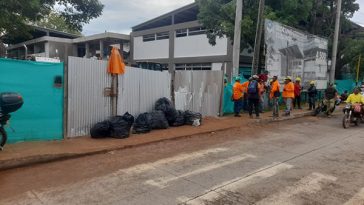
(87, 50)
(114, 94)
(335, 43)
(237, 37)
(258, 37)
(102, 56)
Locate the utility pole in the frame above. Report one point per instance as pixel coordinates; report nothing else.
(358, 71)
(336, 41)
(237, 37)
(258, 37)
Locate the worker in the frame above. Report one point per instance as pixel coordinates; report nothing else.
(330, 98)
(297, 94)
(288, 94)
(237, 97)
(253, 97)
(261, 87)
(356, 97)
(245, 94)
(274, 96)
(312, 94)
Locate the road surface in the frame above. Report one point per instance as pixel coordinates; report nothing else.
(305, 161)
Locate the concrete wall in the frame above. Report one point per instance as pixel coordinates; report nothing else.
(217, 66)
(150, 50)
(198, 46)
(64, 50)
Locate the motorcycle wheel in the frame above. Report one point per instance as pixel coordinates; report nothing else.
(346, 121)
(3, 138)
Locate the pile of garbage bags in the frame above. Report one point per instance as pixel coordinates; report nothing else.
(164, 116)
(116, 127)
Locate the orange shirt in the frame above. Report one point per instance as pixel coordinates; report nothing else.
(245, 86)
(261, 88)
(288, 91)
(275, 88)
(237, 91)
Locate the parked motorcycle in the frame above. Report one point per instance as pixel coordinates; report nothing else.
(9, 102)
(352, 114)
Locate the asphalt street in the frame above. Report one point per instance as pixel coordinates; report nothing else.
(305, 161)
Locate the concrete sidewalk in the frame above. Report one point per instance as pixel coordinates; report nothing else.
(30, 153)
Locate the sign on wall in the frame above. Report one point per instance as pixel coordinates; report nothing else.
(290, 52)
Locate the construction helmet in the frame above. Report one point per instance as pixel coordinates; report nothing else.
(298, 79)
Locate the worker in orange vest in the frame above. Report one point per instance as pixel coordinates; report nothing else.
(237, 97)
(245, 95)
(275, 93)
(288, 94)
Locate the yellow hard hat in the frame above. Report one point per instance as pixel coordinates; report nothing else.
(298, 79)
(312, 83)
(288, 78)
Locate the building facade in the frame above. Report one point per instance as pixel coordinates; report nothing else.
(54, 44)
(179, 42)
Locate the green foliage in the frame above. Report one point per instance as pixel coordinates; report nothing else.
(314, 16)
(15, 15)
(350, 54)
(55, 21)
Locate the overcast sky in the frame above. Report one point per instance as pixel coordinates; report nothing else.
(120, 15)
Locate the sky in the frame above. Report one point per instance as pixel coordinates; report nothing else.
(120, 15)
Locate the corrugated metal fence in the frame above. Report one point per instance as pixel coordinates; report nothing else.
(199, 91)
(87, 105)
(138, 90)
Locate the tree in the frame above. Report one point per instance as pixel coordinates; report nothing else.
(55, 21)
(314, 16)
(15, 15)
(317, 16)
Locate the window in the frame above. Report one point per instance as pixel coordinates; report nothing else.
(196, 31)
(181, 33)
(149, 37)
(194, 66)
(163, 35)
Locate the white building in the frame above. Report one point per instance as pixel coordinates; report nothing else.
(178, 41)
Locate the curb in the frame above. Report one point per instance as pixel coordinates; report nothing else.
(42, 159)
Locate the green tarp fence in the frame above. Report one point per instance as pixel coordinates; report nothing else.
(342, 85)
(228, 105)
(41, 117)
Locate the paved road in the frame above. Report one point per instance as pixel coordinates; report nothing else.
(306, 161)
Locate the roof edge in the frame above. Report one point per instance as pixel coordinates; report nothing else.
(165, 15)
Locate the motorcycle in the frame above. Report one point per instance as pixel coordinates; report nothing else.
(352, 114)
(9, 102)
(322, 107)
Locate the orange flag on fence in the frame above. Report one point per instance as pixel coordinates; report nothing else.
(116, 62)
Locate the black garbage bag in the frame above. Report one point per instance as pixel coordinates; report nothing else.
(129, 118)
(121, 125)
(101, 130)
(143, 124)
(167, 107)
(190, 117)
(180, 119)
(159, 120)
